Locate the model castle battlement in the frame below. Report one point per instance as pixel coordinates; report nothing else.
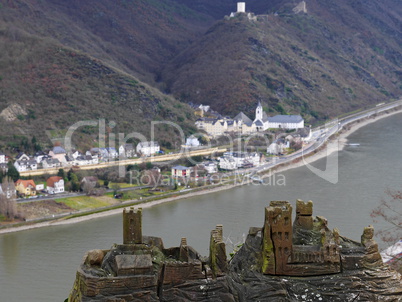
(142, 269)
(307, 247)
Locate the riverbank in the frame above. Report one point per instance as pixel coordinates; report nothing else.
(335, 144)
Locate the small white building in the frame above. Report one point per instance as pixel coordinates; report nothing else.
(127, 150)
(148, 148)
(211, 167)
(40, 187)
(3, 159)
(236, 160)
(112, 152)
(278, 147)
(55, 184)
(192, 141)
(241, 7)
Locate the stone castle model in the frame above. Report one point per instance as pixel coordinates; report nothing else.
(282, 261)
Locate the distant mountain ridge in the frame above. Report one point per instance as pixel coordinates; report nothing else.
(64, 61)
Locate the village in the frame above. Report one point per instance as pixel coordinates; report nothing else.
(288, 132)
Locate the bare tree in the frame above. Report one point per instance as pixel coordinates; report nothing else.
(151, 178)
(390, 211)
(8, 202)
(88, 188)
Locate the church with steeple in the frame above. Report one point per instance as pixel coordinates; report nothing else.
(244, 125)
(260, 122)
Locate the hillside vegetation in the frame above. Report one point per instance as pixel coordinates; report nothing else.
(135, 61)
(45, 88)
(61, 64)
(339, 57)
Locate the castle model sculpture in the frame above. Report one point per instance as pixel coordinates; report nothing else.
(281, 261)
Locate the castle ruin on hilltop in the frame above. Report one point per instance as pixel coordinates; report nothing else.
(276, 261)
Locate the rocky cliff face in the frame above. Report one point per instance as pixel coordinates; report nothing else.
(278, 262)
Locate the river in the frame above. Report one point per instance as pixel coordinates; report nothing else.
(39, 265)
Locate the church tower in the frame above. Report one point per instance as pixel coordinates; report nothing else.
(258, 112)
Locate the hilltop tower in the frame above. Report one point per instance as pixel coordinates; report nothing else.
(132, 226)
(241, 7)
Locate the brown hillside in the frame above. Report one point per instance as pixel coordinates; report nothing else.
(66, 61)
(45, 88)
(137, 36)
(339, 57)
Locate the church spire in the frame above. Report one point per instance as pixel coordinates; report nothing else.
(258, 111)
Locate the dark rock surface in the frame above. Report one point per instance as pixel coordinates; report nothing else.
(320, 265)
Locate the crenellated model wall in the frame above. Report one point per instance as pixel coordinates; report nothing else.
(141, 269)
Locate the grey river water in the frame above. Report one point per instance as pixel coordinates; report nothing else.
(39, 265)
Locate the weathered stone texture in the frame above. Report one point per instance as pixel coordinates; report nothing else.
(278, 262)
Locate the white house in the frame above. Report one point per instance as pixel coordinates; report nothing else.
(286, 122)
(55, 184)
(112, 152)
(192, 141)
(51, 163)
(278, 147)
(84, 160)
(25, 165)
(127, 150)
(40, 156)
(39, 187)
(235, 160)
(148, 148)
(76, 154)
(22, 156)
(8, 189)
(210, 167)
(2, 158)
(104, 154)
(227, 163)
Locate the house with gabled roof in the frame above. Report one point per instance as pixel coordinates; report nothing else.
(7, 188)
(286, 122)
(112, 152)
(25, 187)
(181, 171)
(55, 184)
(22, 156)
(26, 165)
(51, 163)
(148, 148)
(91, 180)
(127, 150)
(59, 153)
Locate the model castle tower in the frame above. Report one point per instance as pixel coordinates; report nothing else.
(132, 226)
(305, 248)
